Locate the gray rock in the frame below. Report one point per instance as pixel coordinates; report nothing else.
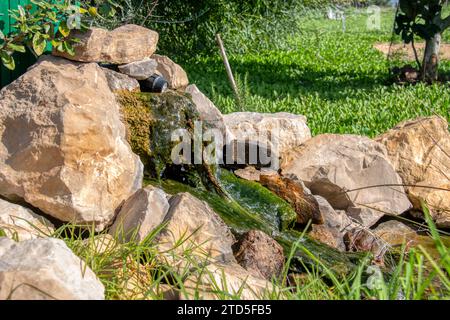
(139, 70)
(45, 269)
(141, 213)
(260, 254)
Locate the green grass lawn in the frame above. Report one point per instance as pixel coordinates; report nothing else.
(305, 64)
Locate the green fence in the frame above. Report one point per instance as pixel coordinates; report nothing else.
(23, 60)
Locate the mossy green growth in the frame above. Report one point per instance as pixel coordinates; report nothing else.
(249, 208)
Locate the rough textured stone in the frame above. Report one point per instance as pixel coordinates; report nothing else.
(231, 278)
(327, 235)
(128, 43)
(420, 152)
(207, 110)
(260, 254)
(21, 223)
(139, 70)
(172, 72)
(304, 204)
(333, 165)
(63, 147)
(141, 213)
(202, 229)
(287, 130)
(381, 239)
(45, 269)
(101, 244)
(249, 173)
(118, 81)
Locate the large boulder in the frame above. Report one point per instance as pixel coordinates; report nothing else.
(191, 225)
(279, 131)
(420, 152)
(172, 72)
(20, 223)
(128, 43)
(259, 254)
(45, 269)
(62, 143)
(214, 279)
(140, 214)
(353, 173)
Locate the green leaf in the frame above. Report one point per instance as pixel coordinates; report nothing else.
(8, 60)
(64, 29)
(39, 44)
(16, 47)
(2, 35)
(21, 11)
(68, 48)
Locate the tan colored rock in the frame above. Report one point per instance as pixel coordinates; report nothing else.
(259, 254)
(249, 174)
(287, 130)
(128, 43)
(420, 152)
(332, 166)
(63, 147)
(172, 72)
(203, 231)
(118, 81)
(395, 233)
(232, 279)
(140, 215)
(101, 244)
(20, 223)
(45, 269)
(304, 203)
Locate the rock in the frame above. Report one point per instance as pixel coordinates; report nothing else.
(202, 229)
(141, 213)
(230, 278)
(304, 204)
(208, 112)
(63, 146)
(172, 72)
(249, 173)
(128, 43)
(335, 219)
(139, 70)
(332, 166)
(287, 130)
(45, 269)
(118, 81)
(420, 152)
(381, 239)
(20, 223)
(327, 235)
(260, 254)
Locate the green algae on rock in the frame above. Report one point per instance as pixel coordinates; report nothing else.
(242, 213)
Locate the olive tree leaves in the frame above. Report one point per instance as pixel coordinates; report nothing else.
(43, 23)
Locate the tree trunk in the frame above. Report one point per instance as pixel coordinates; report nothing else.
(431, 58)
